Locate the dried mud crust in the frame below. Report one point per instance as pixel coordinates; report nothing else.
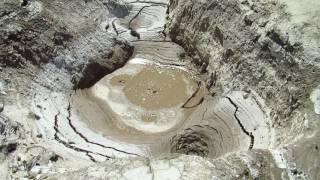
(258, 77)
(82, 104)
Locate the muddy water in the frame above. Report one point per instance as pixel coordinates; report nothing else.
(156, 87)
(147, 97)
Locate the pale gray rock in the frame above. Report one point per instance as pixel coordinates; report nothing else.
(257, 64)
(264, 47)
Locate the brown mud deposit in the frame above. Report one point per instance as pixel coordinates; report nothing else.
(156, 87)
(159, 89)
(145, 97)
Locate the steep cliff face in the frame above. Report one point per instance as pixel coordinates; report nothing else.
(34, 34)
(250, 45)
(262, 47)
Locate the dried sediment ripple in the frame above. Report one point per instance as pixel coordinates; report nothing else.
(153, 105)
(225, 124)
(166, 53)
(144, 22)
(212, 129)
(159, 105)
(111, 119)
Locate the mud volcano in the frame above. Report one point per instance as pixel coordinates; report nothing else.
(159, 89)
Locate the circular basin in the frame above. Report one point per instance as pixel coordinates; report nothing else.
(145, 96)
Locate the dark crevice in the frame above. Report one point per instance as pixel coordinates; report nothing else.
(150, 41)
(91, 158)
(163, 32)
(24, 3)
(197, 104)
(106, 27)
(87, 140)
(66, 144)
(134, 17)
(147, 2)
(249, 134)
(133, 32)
(91, 74)
(211, 82)
(114, 27)
(8, 148)
(192, 96)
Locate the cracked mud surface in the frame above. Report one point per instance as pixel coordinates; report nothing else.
(159, 89)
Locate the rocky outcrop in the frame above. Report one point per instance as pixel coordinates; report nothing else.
(86, 85)
(242, 42)
(32, 34)
(259, 47)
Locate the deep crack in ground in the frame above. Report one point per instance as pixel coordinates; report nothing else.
(249, 134)
(68, 145)
(87, 140)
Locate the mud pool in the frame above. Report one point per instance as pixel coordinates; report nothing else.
(159, 89)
